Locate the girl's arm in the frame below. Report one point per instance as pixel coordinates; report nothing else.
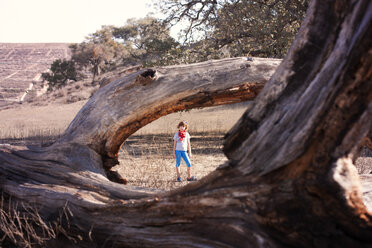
(174, 148)
(189, 147)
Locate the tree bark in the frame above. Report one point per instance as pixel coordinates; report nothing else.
(368, 140)
(289, 181)
(317, 118)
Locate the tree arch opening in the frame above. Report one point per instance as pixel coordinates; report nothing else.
(145, 159)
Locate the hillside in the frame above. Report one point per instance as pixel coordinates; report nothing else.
(21, 65)
(76, 91)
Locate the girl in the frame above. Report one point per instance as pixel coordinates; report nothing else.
(181, 145)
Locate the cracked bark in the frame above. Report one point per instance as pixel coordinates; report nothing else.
(289, 181)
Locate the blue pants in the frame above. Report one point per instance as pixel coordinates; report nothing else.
(185, 157)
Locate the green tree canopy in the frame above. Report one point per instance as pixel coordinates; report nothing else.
(140, 41)
(60, 72)
(146, 41)
(99, 52)
(263, 28)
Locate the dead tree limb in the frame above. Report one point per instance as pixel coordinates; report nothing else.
(290, 179)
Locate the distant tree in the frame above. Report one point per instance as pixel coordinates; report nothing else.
(100, 52)
(91, 55)
(263, 28)
(147, 41)
(140, 41)
(60, 72)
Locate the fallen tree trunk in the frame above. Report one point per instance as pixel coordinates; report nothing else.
(74, 168)
(290, 179)
(316, 119)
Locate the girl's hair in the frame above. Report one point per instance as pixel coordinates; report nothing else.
(183, 123)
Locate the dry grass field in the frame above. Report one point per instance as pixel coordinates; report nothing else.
(146, 157)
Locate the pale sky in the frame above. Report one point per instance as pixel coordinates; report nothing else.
(64, 20)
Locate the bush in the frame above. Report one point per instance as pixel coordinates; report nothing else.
(60, 72)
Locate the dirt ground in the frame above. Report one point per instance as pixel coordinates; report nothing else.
(147, 160)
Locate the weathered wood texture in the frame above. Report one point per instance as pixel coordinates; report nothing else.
(317, 108)
(368, 140)
(290, 179)
(366, 180)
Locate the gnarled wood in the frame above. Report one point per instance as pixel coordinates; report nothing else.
(290, 179)
(316, 119)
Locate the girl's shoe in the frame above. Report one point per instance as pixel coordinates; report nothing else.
(192, 179)
(179, 179)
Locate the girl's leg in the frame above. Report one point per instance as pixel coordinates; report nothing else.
(178, 162)
(188, 163)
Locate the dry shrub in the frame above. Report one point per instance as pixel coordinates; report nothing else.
(22, 226)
